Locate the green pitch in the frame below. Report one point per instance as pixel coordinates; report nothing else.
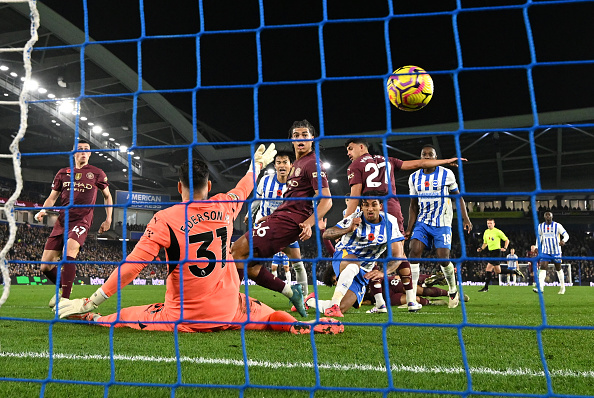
(422, 357)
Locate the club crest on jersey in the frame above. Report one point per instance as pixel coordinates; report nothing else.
(78, 176)
(90, 176)
(298, 172)
(381, 239)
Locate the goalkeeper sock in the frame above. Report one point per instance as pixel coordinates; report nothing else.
(561, 276)
(52, 275)
(375, 288)
(415, 270)
(301, 276)
(542, 275)
(67, 277)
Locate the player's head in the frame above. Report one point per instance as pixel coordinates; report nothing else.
(282, 163)
(548, 216)
(533, 248)
(372, 204)
(200, 175)
(356, 147)
(512, 251)
(82, 158)
(302, 130)
(490, 223)
(329, 277)
(428, 152)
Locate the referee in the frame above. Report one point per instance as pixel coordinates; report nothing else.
(492, 239)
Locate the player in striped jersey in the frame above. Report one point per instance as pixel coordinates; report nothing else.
(430, 217)
(363, 239)
(281, 259)
(271, 187)
(551, 236)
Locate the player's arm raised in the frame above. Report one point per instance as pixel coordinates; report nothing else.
(49, 202)
(107, 200)
(356, 190)
(429, 163)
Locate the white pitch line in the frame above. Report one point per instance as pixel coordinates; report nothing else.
(331, 366)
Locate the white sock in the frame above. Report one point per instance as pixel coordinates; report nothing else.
(287, 291)
(322, 304)
(345, 279)
(275, 273)
(415, 270)
(542, 274)
(450, 277)
(379, 298)
(301, 276)
(411, 296)
(288, 276)
(561, 276)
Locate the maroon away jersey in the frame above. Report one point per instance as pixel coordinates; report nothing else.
(86, 181)
(370, 172)
(302, 183)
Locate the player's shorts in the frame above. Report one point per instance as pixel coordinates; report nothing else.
(158, 317)
(281, 259)
(359, 285)
(274, 234)
(551, 258)
(78, 232)
(438, 237)
(294, 245)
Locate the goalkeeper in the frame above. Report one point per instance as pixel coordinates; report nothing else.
(196, 237)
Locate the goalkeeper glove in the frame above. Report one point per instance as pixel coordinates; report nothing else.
(347, 221)
(263, 157)
(80, 306)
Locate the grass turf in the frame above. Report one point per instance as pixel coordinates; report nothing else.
(499, 333)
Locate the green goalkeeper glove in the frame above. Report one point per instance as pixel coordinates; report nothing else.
(263, 157)
(80, 306)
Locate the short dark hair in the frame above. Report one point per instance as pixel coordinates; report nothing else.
(286, 153)
(375, 194)
(200, 174)
(327, 277)
(356, 140)
(302, 124)
(77, 143)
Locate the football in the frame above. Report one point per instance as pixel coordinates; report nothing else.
(410, 88)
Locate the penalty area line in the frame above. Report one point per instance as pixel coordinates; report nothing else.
(327, 366)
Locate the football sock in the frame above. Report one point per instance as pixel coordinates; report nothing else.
(301, 276)
(411, 296)
(345, 279)
(67, 277)
(561, 276)
(488, 276)
(376, 290)
(288, 278)
(281, 316)
(275, 273)
(267, 280)
(434, 292)
(542, 274)
(424, 301)
(415, 270)
(321, 306)
(52, 275)
(448, 272)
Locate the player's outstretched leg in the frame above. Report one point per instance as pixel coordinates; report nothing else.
(297, 300)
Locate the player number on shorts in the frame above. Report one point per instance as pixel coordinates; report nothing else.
(79, 230)
(447, 239)
(372, 180)
(206, 239)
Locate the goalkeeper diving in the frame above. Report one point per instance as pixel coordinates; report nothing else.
(208, 274)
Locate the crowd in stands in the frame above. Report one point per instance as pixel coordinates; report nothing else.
(99, 258)
(29, 193)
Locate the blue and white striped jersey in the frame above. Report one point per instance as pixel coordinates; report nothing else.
(549, 236)
(512, 261)
(369, 241)
(435, 207)
(269, 188)
(281, 259)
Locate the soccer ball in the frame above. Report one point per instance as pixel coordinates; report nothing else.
(410, 88)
